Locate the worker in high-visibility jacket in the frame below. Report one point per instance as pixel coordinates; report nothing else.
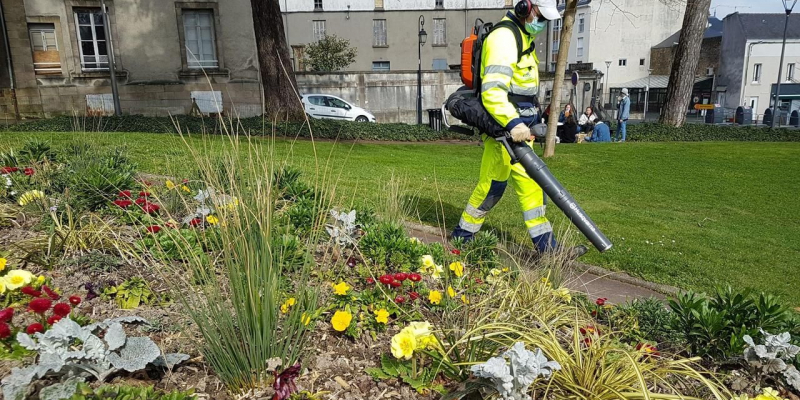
(510, 80)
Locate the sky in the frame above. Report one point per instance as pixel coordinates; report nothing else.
(725, 7)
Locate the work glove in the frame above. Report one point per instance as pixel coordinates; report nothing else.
(521, 133)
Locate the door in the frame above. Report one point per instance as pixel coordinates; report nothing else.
(754, 106)
(317, 107)
(338, 108)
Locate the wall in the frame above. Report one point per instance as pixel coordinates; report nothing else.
(661, 58)
(732, 60)
(768, 55)
(552, 57)
(389, 5)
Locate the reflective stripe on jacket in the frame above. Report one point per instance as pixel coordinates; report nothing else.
(501, 74)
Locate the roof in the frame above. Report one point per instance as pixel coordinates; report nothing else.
(655, 82)
(766, 26)
(714, 30)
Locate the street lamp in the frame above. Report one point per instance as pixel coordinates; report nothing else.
(775, 107)
(647, 93)
(423, 36)
(608, 89)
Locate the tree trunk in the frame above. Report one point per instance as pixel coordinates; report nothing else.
(558, 81)
(684, 64)
(277, 75)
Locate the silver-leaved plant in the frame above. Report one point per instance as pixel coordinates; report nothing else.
(72, 353)
(774, 357)
(343, 228)
(514, 372)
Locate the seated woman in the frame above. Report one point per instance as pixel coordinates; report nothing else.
(567, 112)
(601, 133)
(587, 120)
(570, 128)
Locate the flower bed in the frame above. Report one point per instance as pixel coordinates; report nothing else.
(246, 280)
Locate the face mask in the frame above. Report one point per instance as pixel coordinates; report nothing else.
(536, 27)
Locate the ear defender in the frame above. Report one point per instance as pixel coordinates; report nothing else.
(523, 9)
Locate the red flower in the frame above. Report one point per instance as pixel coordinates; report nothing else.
(594, 314)
(5, 331)
(648, 350)
(589, 330)
(53, 319)
(284, 382)
(195, 222)
(413, 295)
(40, 306)
(185, 181)
(75, 300)
(478, 281)
(146, 183)
(8, 170)
(399, 299)
(370, 281)
(401, 276)
(33, 328)
(587, 341)
(351, 262)
(123, 203)
(141, 201)
(29, 171)
(154, 229)
(62, 309)
(50, 293)
(6, 315)
(415, 277)
(386, 279)
(395, 284)
(151, 208)
(125, 194)
(601, 301)
(30, 291)
(144, 194)
(456, 252)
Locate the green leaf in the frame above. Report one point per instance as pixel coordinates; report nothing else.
(377, 373)
(391, 366)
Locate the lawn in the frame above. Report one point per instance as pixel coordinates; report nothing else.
(694, 215)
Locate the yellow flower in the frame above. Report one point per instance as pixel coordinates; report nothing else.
(495, 272)
(546, 282)
(404, 344)
(17, 278)
(212, 220)
(464, 299)
(186, 189)
(451, 292)
(305, 319)
(506, 269)
(341, 288)
(3, 263)
(40, 279)
(457, 268)
(170, 185)
(288, 304)
(2, 286)
(382, 316)
(769, 394)
(419, 329)
(30, 196)
(436, 273)
(564, 294)
(415, 240)
(341, 320)
(435, 297)
(427, 261)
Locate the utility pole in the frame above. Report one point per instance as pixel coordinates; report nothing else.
(775, 106)
(111, 62)
(608, 89)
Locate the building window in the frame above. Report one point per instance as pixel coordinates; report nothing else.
(790, 72)
(439, 3)
(91, 39)
(757, 73)
(46, 58)
(553, 66)
(380, 65)
(556, 35)
(623, 62)
(379, 4)
(581, 23)
(201, 46)
(439, 32)
(641, 61)
(580, 47)
(548, 94)
(379, 33)
(440, 64)
(317, 5)
(319, 30)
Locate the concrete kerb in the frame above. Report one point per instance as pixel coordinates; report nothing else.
(436, 233)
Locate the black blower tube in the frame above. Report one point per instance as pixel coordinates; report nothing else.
(538, 171)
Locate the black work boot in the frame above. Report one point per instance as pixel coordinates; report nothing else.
(573, 253)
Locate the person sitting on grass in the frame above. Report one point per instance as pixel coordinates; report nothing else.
(587, 120)
(601, 133)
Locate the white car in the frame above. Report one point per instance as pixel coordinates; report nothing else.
(327, 106)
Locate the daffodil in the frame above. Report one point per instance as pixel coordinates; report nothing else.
(29, 196)
(464, 299)
(403, 345)
(382, 316)
(169, 184)
(17, 278)
(435, 297)
(457, 268)
(305, 319)
(186, 189)
(3, 263)
(564, 294)
(341, 320)
(341, 288)
(212, 220)
(451, 292)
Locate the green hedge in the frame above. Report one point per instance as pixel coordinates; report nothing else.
(653, 132)
(322, 129)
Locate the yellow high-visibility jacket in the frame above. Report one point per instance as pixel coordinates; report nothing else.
(502, 75)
